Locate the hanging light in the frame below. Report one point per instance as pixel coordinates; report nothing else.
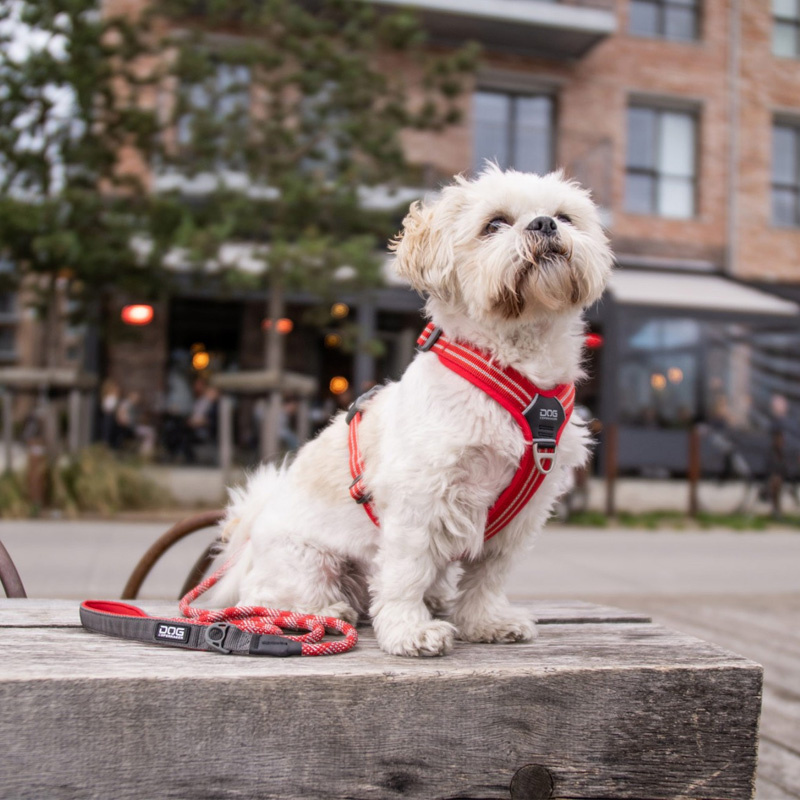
(675, 374)
(339, 384)
(139, 314)
(658, 381)
(284, 325)
(201, 360)
(340, 310)
(593, 341)
(332, 339)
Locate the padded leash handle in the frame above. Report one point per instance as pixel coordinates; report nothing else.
(246, 630)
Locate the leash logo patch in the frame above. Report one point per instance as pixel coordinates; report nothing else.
(172, 633)
(548, 413)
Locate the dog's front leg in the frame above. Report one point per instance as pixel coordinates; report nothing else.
(408, 566)
(482, 611)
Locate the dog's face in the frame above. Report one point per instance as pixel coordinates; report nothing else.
(507, 245)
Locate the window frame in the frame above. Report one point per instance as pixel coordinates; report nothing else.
(656, 173)
(794, 22)
(514, 95)
(661, 7)
(794, 186)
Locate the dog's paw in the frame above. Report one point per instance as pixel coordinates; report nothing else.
(433, 638)
(515, 626)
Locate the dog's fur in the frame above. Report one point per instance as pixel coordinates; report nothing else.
(438, 451)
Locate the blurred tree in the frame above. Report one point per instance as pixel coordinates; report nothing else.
(282, 114)
(77, 125)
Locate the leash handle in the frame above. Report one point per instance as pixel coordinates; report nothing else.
(240, 630)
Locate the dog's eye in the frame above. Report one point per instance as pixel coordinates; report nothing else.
(496, 224)
(564, 218)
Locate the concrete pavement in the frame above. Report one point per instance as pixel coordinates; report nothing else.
(79, 559)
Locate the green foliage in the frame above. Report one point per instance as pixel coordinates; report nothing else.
(304, 104)
(268, 134)
(96, 481)
(13, 498)
(72, 102)
(590, 519)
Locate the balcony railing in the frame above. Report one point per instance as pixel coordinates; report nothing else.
(534, 27)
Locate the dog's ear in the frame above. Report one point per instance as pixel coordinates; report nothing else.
(423, 256)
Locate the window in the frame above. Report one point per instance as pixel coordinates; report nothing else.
(515, 130)
(786, 174)
(659, 371)
(786, 28)
(661, 170)
(676, 20)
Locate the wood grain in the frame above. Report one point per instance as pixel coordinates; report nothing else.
(64, 613)
(610, 709)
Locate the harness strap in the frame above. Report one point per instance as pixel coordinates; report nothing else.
(243, 630)
(542, 415)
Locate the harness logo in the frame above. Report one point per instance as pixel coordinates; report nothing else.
(173, 633)
(548, 413)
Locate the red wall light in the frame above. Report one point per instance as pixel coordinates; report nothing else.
(137, 314)
(593, 341)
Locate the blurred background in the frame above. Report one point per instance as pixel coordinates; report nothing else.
(194, 267)
(194, 270)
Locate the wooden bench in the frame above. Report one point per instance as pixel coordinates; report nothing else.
(604, 704)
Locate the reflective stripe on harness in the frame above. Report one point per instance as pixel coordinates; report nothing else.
(541, 415)
(243, 630)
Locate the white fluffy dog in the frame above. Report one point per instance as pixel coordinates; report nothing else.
(508, 262)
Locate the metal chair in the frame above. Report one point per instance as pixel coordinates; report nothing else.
(9, 577)
(178, 531)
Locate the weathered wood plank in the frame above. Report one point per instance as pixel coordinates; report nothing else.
(64, 613)
(612, 710)
(700, 616)
(779, 766)
(71, 652)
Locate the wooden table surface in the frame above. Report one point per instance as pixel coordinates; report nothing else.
(609, 704)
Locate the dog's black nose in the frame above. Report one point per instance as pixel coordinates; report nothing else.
(544, 225)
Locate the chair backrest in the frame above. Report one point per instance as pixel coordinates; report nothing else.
(178, 531)
(9, 577)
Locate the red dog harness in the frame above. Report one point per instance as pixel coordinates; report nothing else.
(541, 415)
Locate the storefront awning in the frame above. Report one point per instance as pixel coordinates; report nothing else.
(632, 287)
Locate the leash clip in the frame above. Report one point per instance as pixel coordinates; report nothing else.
(215, 637)
(539, 457)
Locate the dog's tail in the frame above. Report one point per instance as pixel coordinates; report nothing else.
(245, 503)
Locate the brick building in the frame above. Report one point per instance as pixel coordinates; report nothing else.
(683, 117)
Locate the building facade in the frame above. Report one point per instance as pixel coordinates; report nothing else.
(683, 118)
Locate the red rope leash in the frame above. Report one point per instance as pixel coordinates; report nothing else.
(273, 621)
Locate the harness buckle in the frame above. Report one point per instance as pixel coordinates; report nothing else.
(215, 636)
(431, 340)
(356, 405)
(362, 498)
(539, 457)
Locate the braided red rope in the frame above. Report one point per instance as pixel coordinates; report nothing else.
(257, 619)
